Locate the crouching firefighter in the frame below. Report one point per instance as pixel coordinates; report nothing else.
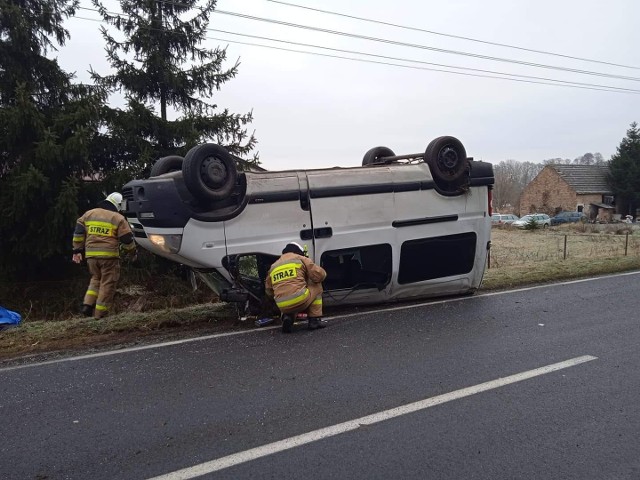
(295, 282)
(97, 236)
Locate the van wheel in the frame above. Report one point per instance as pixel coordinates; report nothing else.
(447, 160)
(172, 163)
(209, 172)
(374, 155)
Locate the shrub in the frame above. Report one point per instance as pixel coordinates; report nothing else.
(531, 224)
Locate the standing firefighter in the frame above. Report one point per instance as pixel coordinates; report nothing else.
(98, 235)
(295, 282)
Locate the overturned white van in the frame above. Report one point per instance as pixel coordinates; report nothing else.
(398, 227)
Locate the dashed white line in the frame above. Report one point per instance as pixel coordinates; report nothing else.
(322, 433)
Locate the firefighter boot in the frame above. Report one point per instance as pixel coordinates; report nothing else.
(316, 323)
(87, 310)
(287, 323)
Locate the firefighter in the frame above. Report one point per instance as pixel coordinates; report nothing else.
(97, 237)
(295, 282)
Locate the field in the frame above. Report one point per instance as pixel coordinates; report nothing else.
(517, 258)
(520, 257)
(511, 247)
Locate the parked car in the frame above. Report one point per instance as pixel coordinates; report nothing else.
(397, 227)
(568, 217)
(542, 219)
(503, 218)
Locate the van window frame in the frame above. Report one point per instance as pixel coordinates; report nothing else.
(412, 264)
(343, 277)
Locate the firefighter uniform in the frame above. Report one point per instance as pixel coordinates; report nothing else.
(98, 235)
(295, 283)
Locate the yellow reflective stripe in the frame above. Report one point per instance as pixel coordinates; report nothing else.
(102, 308)
(98, 223)
(78, 239)
(293, 300)
(284, 272)
(92, 293)
(94, 253)
(317, 301)
(130, 246)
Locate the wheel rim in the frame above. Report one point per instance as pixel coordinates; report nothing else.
(213, 172)
(448, 160)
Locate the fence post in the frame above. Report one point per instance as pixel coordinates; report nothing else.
(565, 247)
(626, 244)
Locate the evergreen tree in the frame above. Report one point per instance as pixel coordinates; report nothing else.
(159, 63)
(47, 129)
(624, 172)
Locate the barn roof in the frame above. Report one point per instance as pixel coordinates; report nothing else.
(585, 178)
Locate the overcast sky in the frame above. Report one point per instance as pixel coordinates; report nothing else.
(313, 111)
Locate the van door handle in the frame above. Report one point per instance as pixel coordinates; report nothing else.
(324, 232)
(308, 234)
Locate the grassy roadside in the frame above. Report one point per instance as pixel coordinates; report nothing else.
(127, 328)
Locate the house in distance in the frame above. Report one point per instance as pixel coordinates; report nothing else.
(560, 187)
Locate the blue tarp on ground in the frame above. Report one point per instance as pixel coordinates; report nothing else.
(9, 318)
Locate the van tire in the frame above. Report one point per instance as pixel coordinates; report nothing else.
(172, 163)
(209, 172)
(372, 156)
(447, 160)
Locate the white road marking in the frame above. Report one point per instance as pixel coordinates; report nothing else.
(135, 349)
(348, 315)
(322, 433)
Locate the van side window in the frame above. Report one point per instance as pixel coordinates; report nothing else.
(436, 257)
(359, 267)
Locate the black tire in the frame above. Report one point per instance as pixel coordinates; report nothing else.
(209, 172)
(447, 160)
(374, 155)
(172, 163)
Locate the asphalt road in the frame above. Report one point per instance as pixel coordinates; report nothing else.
(333, 403)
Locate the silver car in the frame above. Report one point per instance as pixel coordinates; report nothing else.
(541, 219)
(503, 218)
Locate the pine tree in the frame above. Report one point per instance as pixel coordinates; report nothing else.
(159, 63)
(624, 172)
(47, 128)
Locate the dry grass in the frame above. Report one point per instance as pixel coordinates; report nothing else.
(34, 337)
(521, 257)
(511, 247)
(518, 258)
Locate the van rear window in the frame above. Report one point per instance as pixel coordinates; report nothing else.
(436, 257)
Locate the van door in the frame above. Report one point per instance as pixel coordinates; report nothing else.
(351, 236)
(275, 215)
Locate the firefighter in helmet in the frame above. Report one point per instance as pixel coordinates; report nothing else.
(295, 282)
(97, 237)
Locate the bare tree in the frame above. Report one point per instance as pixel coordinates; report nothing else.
(556, 161)
(511, 177)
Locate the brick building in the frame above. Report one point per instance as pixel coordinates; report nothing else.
(581, 188)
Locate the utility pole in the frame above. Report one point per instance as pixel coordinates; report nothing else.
(163, 92)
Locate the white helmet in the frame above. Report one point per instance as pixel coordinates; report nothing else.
(115, 198)
(293, 247)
